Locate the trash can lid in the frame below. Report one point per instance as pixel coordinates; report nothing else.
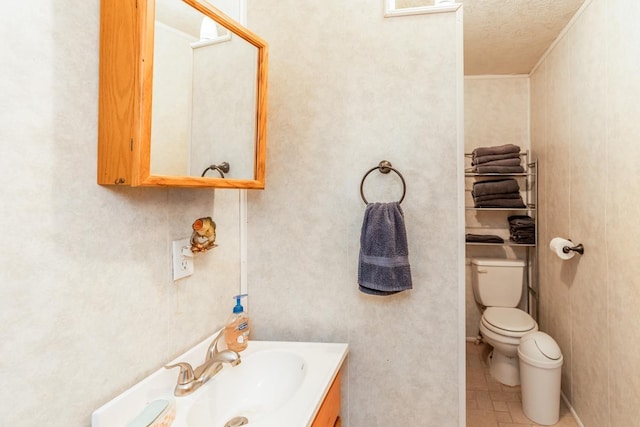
(541, 348)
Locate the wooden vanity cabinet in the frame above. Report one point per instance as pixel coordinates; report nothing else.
(329, 413)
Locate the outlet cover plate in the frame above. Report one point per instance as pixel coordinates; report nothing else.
(182, 263)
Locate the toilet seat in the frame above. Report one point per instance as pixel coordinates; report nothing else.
(506, 321)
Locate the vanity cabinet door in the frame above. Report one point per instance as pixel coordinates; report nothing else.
(329, 413)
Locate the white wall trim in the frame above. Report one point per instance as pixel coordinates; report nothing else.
(242, 213)
(390, 10)
(496, 76)
(530, 149)
(210, 42)
(462, 347)
(573, 412)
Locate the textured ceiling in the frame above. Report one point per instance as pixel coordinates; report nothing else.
(510, 36)
(500, 36)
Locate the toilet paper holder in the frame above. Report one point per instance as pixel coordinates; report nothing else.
(579, 249)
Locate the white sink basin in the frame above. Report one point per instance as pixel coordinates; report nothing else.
(259, 386)
(277, 384)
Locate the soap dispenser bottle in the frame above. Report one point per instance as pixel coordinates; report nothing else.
(236, 331)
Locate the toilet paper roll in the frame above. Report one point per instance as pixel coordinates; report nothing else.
(558, 244)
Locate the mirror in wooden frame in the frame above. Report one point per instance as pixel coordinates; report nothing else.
(133, 119)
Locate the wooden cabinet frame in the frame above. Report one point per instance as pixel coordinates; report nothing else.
(125, 91)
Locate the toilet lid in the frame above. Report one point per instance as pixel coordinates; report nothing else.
(504, 319)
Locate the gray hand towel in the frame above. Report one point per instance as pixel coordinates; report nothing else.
(383, 267)
(496, 149)
(483, 188)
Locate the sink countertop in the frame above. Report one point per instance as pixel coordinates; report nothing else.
(322, 361)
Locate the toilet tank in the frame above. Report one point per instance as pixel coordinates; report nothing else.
(497, 282)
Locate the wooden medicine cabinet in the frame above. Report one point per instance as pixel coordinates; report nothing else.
(183, 91)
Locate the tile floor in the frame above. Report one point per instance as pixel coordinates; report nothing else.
(491, 404)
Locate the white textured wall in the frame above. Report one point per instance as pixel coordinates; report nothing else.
(496, 112)
(87, 304)
(224, 108)
(585, 105)
(171, 109)
(347, 89)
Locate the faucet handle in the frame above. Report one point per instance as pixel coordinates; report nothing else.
(186, 375)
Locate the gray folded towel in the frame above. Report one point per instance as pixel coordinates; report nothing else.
(483, 238)
(528, 238)
(496, 149)
(522, 229)
(520, 221)
(516, 230)
(383, 267)
(502, 162)
(518, 235)
(492, 157)
(498, 169)
(501, 203)
(527, 218)
(482, 188)
(495, 196)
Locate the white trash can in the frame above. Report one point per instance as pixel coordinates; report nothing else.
(540, 372)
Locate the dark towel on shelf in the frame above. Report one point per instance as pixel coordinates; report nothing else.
(493, 157)
(495, 196)
(383, 267)
(496, 149)
(528, 229)
(501, 203)
(522, 229)
(520, 235)
(498, 169)
(524, 239)
(482, 188)
(483, 238)
(520, 220)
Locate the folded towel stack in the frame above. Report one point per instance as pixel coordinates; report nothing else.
(522, 229)
(503, 193)
(497, 159)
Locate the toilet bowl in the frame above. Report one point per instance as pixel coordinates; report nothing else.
(502, 328)
(498, 285)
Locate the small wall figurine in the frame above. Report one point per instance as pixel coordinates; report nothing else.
(204, 235)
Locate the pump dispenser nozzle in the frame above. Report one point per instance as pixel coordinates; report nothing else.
(238, 307)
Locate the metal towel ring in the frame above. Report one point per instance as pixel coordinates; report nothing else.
(384, 167)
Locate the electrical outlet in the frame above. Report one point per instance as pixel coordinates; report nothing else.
(182, 258)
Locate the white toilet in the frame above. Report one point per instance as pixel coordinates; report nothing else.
(498, 285)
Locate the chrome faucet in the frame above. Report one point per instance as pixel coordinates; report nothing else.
(213, 347)
(189, 379)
